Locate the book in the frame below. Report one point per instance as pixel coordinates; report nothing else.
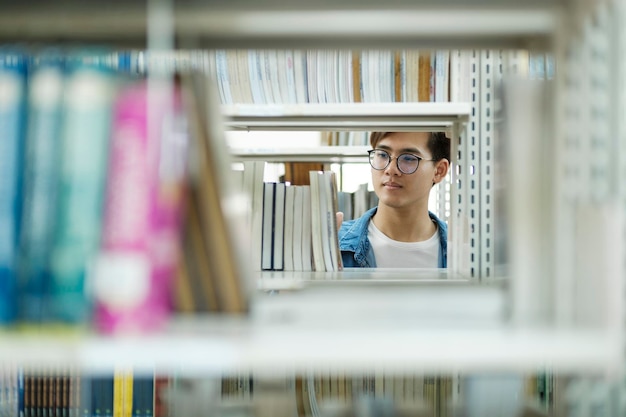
(256, 80)
(298, 223)
(204, 296)
(300, 76)
(162, 383)
(424, 76)
(253, 187)
(317, 243)
(89, 92)
(278, 240)
(222, 216)
(442, 75)
(134, 271)
(40, 175)
(143, 395)
(307, 234)
(332, 207)
(288, 240)
(223, 76)
(13, 70)
(267, 247)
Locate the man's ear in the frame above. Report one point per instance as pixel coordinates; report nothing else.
(441, 170)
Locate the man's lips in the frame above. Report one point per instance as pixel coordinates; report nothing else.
(391, 184)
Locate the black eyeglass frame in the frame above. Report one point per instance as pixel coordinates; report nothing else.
(397, 158)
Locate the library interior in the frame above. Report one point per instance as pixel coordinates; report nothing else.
(171, 173)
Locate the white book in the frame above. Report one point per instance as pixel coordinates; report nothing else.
(344, 200)
(266, 80)
(290, 75)
(270, 81)
(386, 73)
(412, 75)
(345, 80)
(331, 77)
(361, 201)
(256, 83)
(366, 92)
(267, 248)
(300, 76)
(288, 246)
(244, 76)
(282, 76)
(316, 224)
(307, 238)
(442, 72)
(322, 76)
(298, 222)
(253, 185)
(324, 225)
(459, 69)
(311, 76)
(330, 187)
(234, 83)
(274, 70)
(278, 262)
(223, 80)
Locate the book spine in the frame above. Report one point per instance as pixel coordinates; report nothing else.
(41, 167)
(143, 396)
(13, 67)
(142, 217)
(84, 152)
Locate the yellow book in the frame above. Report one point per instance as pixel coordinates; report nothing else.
(122, 392)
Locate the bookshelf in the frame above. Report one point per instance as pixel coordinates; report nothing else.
(209, 24)
(578, 184)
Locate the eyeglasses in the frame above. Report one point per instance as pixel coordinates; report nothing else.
(407, 162)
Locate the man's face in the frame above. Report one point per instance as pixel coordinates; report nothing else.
(399, 190)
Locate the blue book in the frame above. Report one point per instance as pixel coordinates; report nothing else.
(41, 166)
(13, 69)
(85, 129)
(143, 395)
(21, 409)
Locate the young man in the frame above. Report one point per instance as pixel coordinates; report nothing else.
(401, 232)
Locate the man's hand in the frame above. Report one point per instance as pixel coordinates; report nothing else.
(339, 219)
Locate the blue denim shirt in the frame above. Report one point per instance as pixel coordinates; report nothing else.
(356, 251)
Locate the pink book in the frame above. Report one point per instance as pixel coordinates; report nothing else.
(133, 276)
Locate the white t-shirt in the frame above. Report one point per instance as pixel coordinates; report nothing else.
(390, 253)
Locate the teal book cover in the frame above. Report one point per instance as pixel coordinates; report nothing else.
(85, 129)
(13, 70)
(41, 166)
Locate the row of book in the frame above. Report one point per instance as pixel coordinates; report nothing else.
(94, 173)
(299, 225)
(270, 76)
(67, 392)
(126, 392)
(294, 227)
(330, 76)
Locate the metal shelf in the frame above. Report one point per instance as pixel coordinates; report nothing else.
(244, 24)
(323, 154)
(424, 117)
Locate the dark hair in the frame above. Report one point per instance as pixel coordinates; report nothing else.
(438, 143)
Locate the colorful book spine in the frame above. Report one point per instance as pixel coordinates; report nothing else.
(41, 166)
(143, 395)
(142, 221)
(86, 121)
(13, 69)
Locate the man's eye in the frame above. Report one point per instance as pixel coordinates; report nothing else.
(408, 158)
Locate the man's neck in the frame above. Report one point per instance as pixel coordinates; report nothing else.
(404, 225)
